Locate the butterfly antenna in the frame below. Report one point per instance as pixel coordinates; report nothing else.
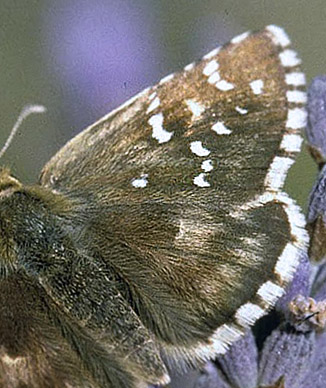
(26, 111)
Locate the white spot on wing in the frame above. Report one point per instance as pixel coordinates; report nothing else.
(296, 96)
(207, 165)
(221, 129)
(153, 105)
(257, 86)
(270, 292)
(224, 336)
(198, 149)
(210, 67)
(159, 133)
(240, 38)
(295, 78)
(276, 175)
(140, 182)
(166, 79)
(286, 266)
(212, 53)
(224, 85)
(291, 142)
(242, 111)
(151, 96)
(296, 219)
(278, 35)
(289, 58)
(200, 180)
(248, 314)
(195, 108)
(213, 78)
(165, 379)
(297, 118)
(189, 67)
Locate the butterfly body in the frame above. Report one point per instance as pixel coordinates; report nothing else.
(160, 233)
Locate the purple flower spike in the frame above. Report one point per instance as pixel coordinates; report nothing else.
(300, 285)
(211, 378)
(316, 128)
(240, 363)
(318, 291)
(317, 218)
(316, 134)
(317, 372)
(287, 353)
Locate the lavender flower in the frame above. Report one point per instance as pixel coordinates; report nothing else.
(316, 128)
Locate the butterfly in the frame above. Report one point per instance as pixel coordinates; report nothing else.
(159, 234)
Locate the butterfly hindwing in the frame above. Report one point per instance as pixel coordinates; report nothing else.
(185, 182)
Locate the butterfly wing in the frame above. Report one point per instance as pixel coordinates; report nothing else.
(186, 179)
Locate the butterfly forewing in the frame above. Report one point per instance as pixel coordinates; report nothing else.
(168, 133)
(186, 181)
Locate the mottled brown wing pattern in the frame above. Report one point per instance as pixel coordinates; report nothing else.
(170, 130)
(188, 178)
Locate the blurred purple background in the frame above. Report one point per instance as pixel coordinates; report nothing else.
(101, 51)
(104, 52)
